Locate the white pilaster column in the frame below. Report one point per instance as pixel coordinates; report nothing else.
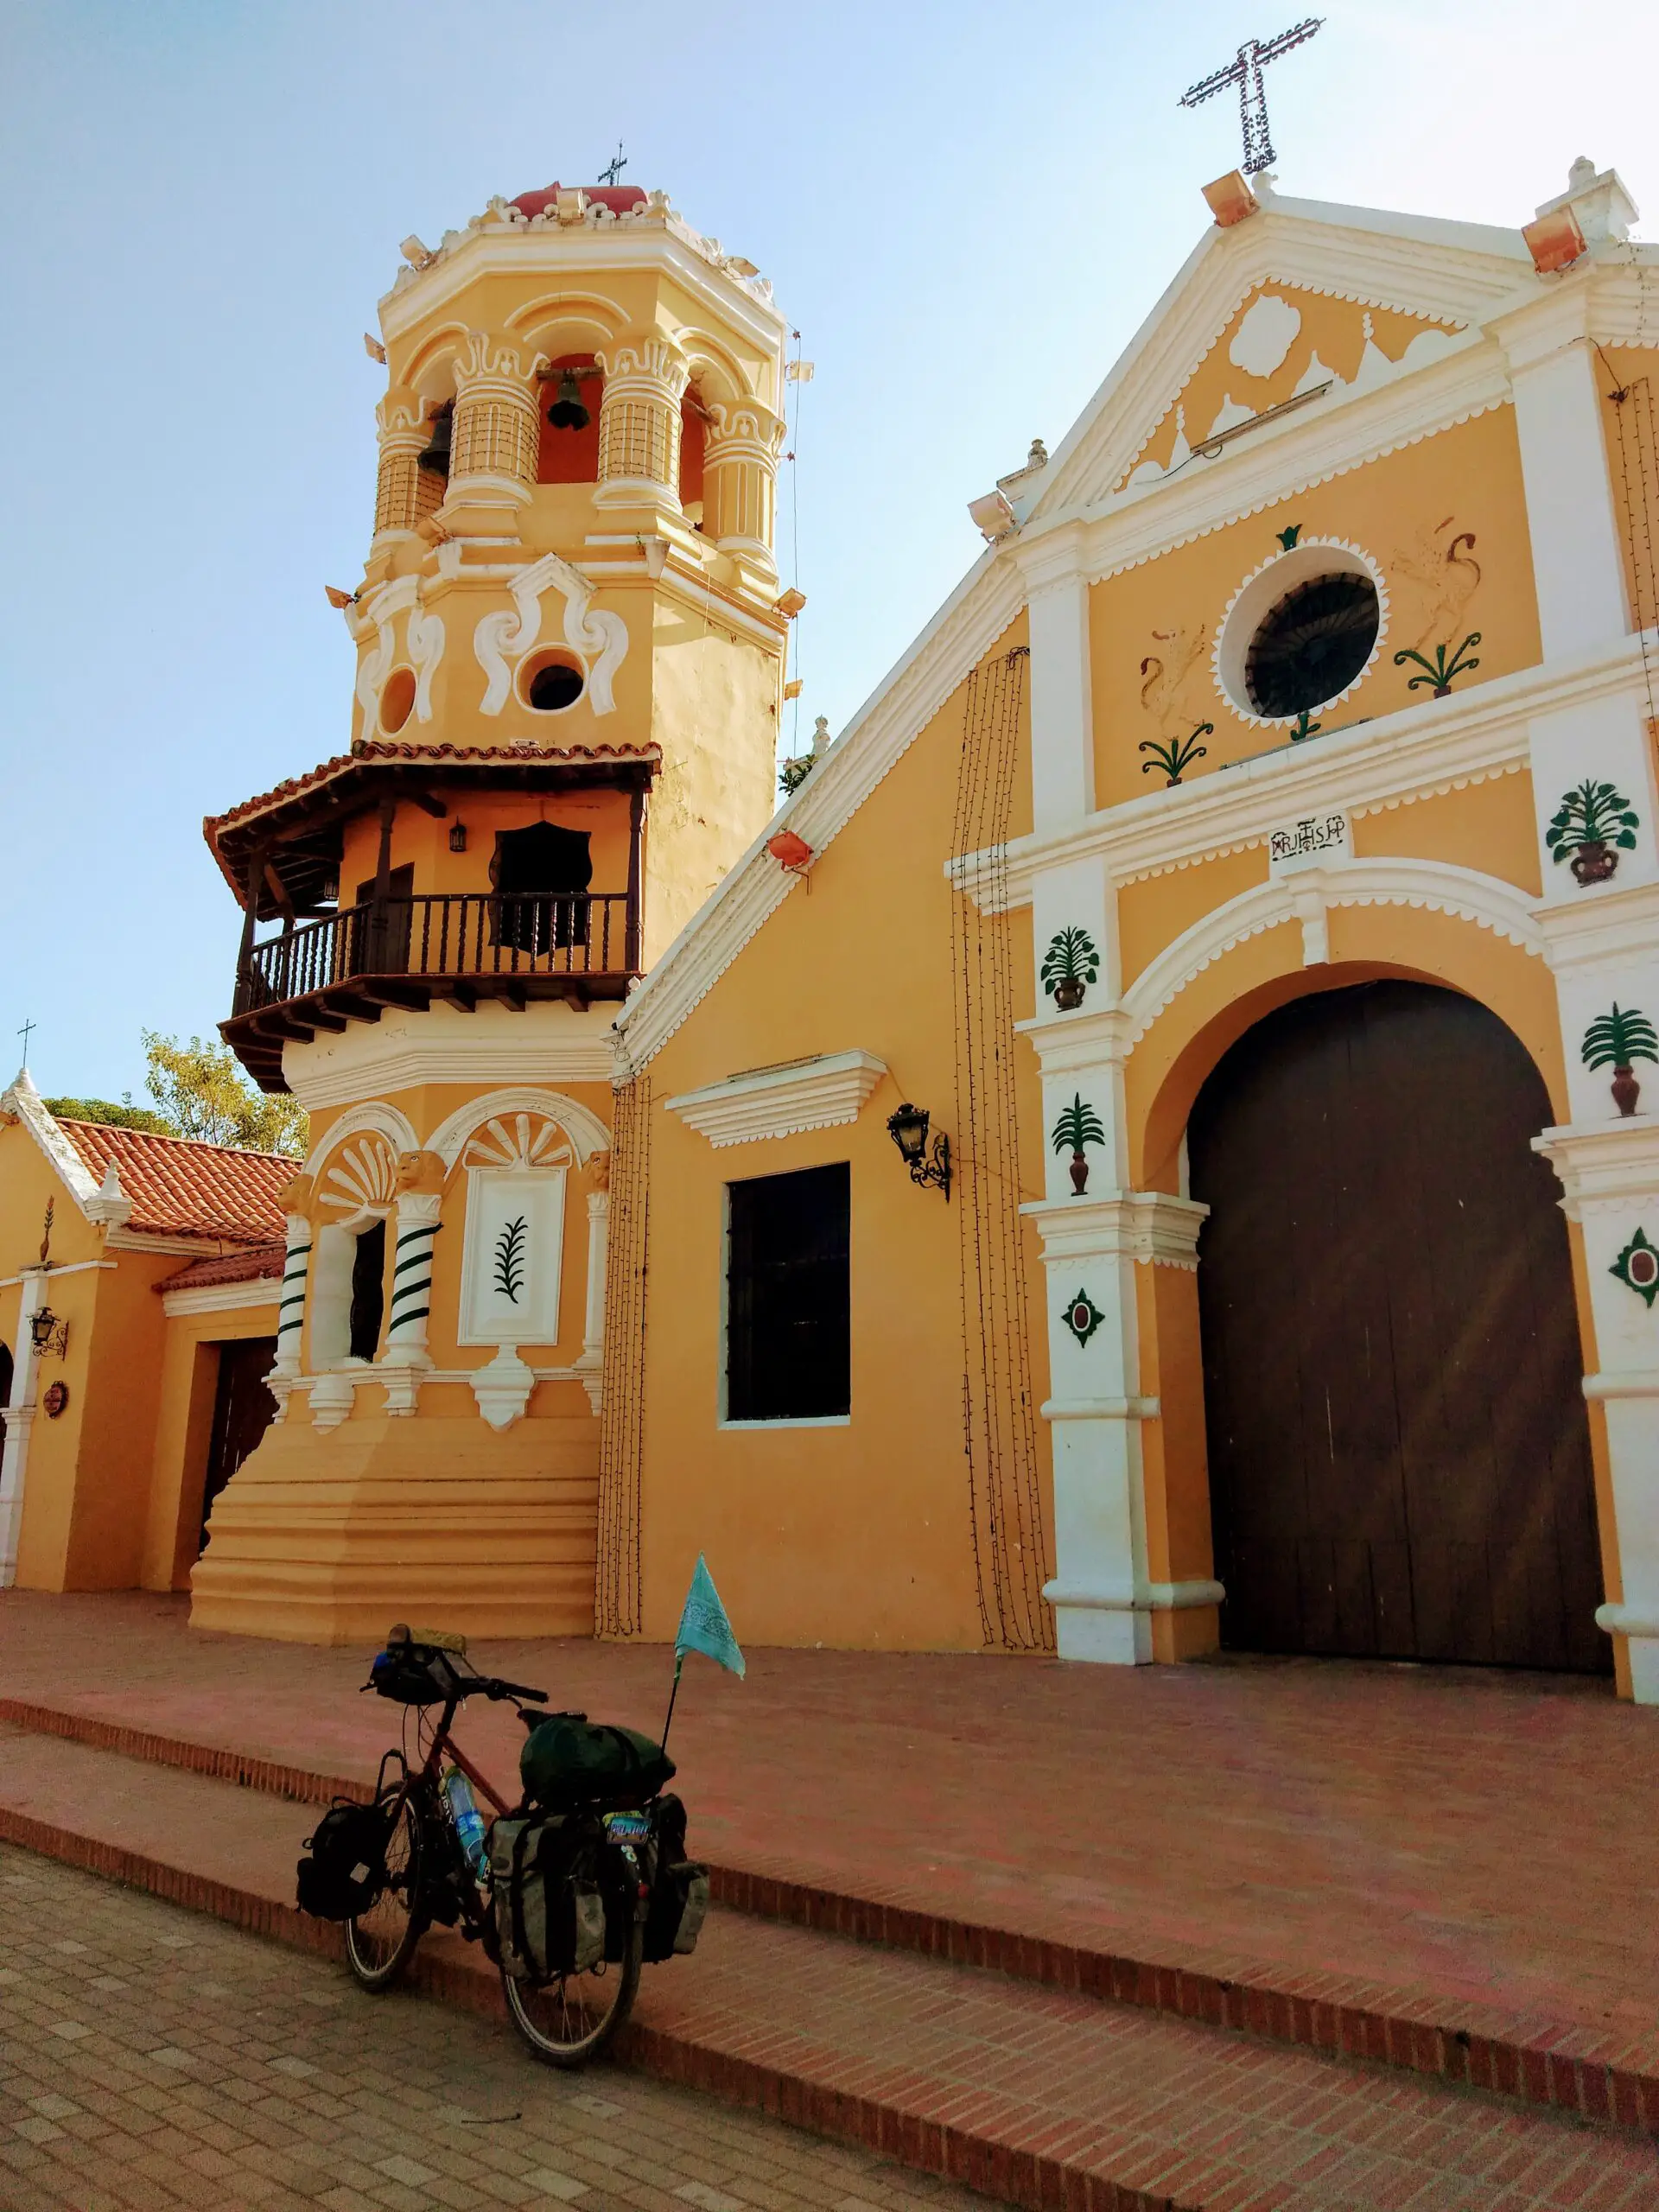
(1611, 1177)
(405, 493)
(739, 481)
(20, 1420)
(416, 1226)
(1092, 1242)
(592, 1363)
(496, 434)
(290, 1312)
(639, 424)
(1062, 707)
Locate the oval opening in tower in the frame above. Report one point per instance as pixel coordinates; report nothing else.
(552, 682)
(397, 700)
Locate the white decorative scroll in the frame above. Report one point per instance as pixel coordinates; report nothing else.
(426, 651)
(1265, 334)
(502, 639)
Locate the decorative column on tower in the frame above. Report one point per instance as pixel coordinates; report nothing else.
(639, 424)
(740, 482)
(420, 1198)
(494, 438)
(405, 493)
(290, 1309)
(1598, 816)
(591, 1365)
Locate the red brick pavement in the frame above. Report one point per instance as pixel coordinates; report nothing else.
(1035, 2096)
(1442, 1834)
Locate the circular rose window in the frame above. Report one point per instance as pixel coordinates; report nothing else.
(1300, 632)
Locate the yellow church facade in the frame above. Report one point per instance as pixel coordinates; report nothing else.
(1150, 1148)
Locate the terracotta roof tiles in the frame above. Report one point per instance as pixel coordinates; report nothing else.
(264, 1262)
(181, 1188)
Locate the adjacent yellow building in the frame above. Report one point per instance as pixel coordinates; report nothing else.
(1150, 1148)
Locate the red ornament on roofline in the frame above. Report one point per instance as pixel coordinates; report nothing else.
(789, 850)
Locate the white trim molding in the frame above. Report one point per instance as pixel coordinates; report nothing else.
(779, 1102)
(597, 638)
(252, 1292)
(1461, 893)
(373, 1118)
(1149, 1598)
(549, 1042)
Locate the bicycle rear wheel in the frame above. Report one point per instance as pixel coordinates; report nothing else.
(380, 1942)
(571, 2019)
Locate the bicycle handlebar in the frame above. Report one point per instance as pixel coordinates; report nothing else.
(498, 1690)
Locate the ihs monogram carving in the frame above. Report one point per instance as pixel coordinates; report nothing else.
(502, 639)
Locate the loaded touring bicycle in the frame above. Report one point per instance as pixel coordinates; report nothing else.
(570, 1891)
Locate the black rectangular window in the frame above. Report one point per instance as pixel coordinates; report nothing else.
(788, 1297)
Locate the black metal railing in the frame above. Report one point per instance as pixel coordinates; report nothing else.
(448, 935)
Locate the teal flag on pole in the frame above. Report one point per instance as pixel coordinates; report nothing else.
(703, 1625)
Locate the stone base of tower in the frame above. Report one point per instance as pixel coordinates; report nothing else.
(330, 1537)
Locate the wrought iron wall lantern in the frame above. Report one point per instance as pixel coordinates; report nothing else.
(908, 1129)
(47, 1334)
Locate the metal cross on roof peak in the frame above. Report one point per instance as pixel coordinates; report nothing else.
(26, 1032)
(1245, 71)
(614, 168)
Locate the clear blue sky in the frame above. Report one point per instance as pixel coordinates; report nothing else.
(967, 209)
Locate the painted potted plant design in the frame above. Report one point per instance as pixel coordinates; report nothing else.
(1078, 1125)
(1618, 1039)
(1592, 824)
(1070, 962)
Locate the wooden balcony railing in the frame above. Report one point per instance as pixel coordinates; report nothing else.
(530, 936)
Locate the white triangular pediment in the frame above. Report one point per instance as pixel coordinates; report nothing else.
(1301, 297)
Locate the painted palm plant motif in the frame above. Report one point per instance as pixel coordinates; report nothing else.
(1176, 754)
(1077, 1127)
(1591, 826)
(1070, 962)
(1618, 1039)
(1439, 672)
(508, 1275)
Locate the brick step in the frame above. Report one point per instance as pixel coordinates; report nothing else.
(1564, 2066)
(1041, 2097)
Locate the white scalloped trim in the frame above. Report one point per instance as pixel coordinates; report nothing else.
(1294, 490)
(1287, 553)
(1272, 905)
(1437, 790)
(1191, 860)
(1261, 284)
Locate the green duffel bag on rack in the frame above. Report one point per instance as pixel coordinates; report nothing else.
(568, 1760)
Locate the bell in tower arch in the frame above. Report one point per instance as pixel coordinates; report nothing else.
(567, 412)
(435, 459)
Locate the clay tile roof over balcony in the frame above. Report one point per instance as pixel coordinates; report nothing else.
(181, 1188)
(264, 1262)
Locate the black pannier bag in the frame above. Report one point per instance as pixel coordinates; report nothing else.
(550, 1909)
(413, 1674)
(679, 1890)
(568, 1760)
(345, 1868)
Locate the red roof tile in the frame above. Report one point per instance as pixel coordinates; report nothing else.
(516, 752)
(263, 1262)
(180, 1188)
(619, 198)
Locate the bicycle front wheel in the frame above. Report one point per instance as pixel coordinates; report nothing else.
(571, 2019)
(380, 1942)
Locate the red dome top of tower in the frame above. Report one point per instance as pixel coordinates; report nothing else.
(619, 198)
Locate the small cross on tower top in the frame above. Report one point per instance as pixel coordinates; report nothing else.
(1245, 71)
(26, 1032)
(615, 167)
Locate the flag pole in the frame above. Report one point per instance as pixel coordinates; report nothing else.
(679, 1661)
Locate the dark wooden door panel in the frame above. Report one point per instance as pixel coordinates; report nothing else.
(243, 1408)
(1399, 1453)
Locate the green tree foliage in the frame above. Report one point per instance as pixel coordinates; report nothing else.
(126, 1116)
(203, 1093)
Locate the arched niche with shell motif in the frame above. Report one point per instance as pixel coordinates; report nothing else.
(354, 1191)
(515, 1165)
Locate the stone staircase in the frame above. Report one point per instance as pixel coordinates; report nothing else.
(1043, 2073)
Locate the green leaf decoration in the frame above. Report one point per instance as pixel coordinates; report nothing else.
(1439, 672)
(1176, 755)
(510, 1258)
(1638, 1267)
(1082, 1317)
(1288, 537)
(1592, 814)
(1070, 958)
(1619, 1038)
(1305, 727)
(1078, 1125)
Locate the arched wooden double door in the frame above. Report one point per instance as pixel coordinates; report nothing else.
(1398, 1447)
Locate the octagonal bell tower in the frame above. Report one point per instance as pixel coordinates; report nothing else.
(563, 727)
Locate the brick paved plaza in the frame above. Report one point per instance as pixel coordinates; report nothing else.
(149, 2057)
